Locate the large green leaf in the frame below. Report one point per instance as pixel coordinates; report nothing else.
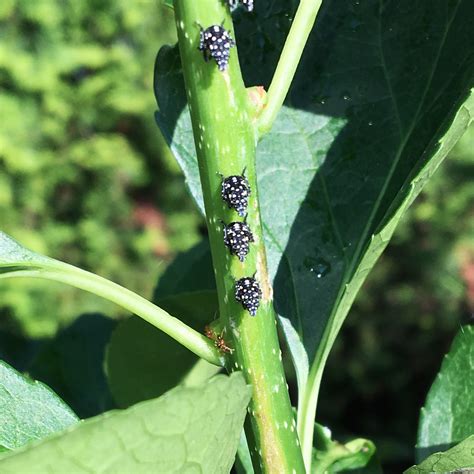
(143, 363)
(186, 430)
(455, 459)
(138, 357)
(73, 364)
(448, 415)
(381, 96)
(29, 410)
(191, 271)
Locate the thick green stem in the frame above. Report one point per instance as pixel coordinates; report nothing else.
(225, 144)
(70, 275)
(289, 60)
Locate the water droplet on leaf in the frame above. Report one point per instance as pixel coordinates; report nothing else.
(318, 266)
(346, 96)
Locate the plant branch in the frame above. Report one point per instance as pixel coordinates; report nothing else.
(226, 145)
(68, 274)
(288, 63)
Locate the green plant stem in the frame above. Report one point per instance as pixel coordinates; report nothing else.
(288, 62)
(226, 145)
(68, 274)
(307, 413)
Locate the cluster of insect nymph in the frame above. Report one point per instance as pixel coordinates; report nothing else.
(238, 236)
(216, 43)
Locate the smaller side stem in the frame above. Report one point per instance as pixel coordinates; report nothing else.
(288, 63)
(307, 414)
(185, 335)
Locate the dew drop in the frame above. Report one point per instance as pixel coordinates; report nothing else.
(346, 96)
(319, 267)
(321, 100)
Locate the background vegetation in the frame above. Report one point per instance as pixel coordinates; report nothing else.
(85, 177)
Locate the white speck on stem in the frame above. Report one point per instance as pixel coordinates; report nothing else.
(285, 424)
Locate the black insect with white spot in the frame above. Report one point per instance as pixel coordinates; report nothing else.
(248, 4)
(215, 42)
(236, 192)
(237, 237)
(249, 294)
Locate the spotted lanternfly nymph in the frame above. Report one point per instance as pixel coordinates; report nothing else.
(235, 192)
(237, 237)
(249, 294)
(215, 42)
(248, 4)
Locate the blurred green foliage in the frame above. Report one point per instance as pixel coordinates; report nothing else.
(84, 175)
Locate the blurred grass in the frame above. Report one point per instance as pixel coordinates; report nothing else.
(84, 175)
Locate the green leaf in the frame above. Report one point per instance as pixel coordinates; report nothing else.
(190, 271)
(243, 461)
(173, 117)
(143, 363)
(448, 414)
(138, 357)
(29, 410)
(14, 257)
(186, 430)
(458, 457)
(73, 364)
(331, 456)
(298, 355)
(188, 287)
(368, 125)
